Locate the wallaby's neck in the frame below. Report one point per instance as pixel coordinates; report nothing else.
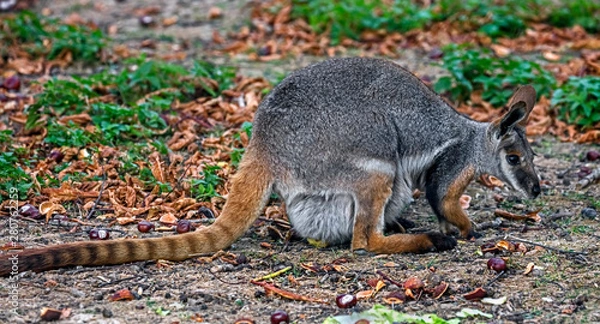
(483, 150)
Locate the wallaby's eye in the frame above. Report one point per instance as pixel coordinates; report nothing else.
(513, 159)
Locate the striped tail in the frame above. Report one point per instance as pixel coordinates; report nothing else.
(251, 188)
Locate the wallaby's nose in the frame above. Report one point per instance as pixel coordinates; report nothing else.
(536, 190)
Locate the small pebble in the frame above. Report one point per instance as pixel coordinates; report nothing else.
(107, 313)
(589, 213)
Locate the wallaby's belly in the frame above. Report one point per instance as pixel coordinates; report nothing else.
(325, 216)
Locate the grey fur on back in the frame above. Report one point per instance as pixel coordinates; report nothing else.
(354, 106)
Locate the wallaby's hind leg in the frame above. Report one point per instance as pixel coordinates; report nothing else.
(373, 194)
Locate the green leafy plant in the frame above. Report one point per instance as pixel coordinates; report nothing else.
(506, 18)
(568, 13)
(83, 42)
(350, 18)
(13, 179)
(223, 75)
(206, 188)
(476, 69)
(578, 101)
(150, 181)
(126, 117)
(382, 314)
(68, 135)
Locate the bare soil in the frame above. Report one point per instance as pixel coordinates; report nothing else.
(563, 288)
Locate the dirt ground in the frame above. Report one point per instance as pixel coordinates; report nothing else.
(563, 287)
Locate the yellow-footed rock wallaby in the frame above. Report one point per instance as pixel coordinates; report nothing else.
(344, 143)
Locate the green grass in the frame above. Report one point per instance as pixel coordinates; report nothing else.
(507, 18)
(125, 118)
(578, 101)
(497, 78)
(205, 188)
(48, 37)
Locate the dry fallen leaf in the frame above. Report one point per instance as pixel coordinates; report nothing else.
(531, 216)
(476, 294)
(490, 181)
(215, 12)
(500, 51)
(168, 219)
(465, 201)
(51, 314)
(365, 294)
(395, 297)
(494, 301)
(271, 289)
(529, 268)
(551, 56)
(123, 294)
(439, 290)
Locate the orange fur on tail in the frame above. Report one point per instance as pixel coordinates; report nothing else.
(250, 191)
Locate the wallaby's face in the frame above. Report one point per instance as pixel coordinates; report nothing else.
(515, 163)
(513, 154)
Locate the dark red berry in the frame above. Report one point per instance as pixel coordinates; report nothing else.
(145, 226)
(184, 226)
(496, 264)
(12, 83)
(98, 234)
(242, 259)
(593, 155)
(30, 211)
(346, 301)
(279, 317)
(56, 155)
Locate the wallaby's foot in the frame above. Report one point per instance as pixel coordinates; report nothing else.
(405, 223)
(441, 242)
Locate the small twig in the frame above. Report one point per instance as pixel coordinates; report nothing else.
(386, 277)
(93, 209)
(516, 239)
(288, 239)
(274, 274)
(494, 279)
(104, 284)
(223, 281)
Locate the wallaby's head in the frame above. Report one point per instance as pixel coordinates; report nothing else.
(512, 154)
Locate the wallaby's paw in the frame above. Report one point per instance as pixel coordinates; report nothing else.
(441, 242)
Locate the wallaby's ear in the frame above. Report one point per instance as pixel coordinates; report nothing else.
(519, 107)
